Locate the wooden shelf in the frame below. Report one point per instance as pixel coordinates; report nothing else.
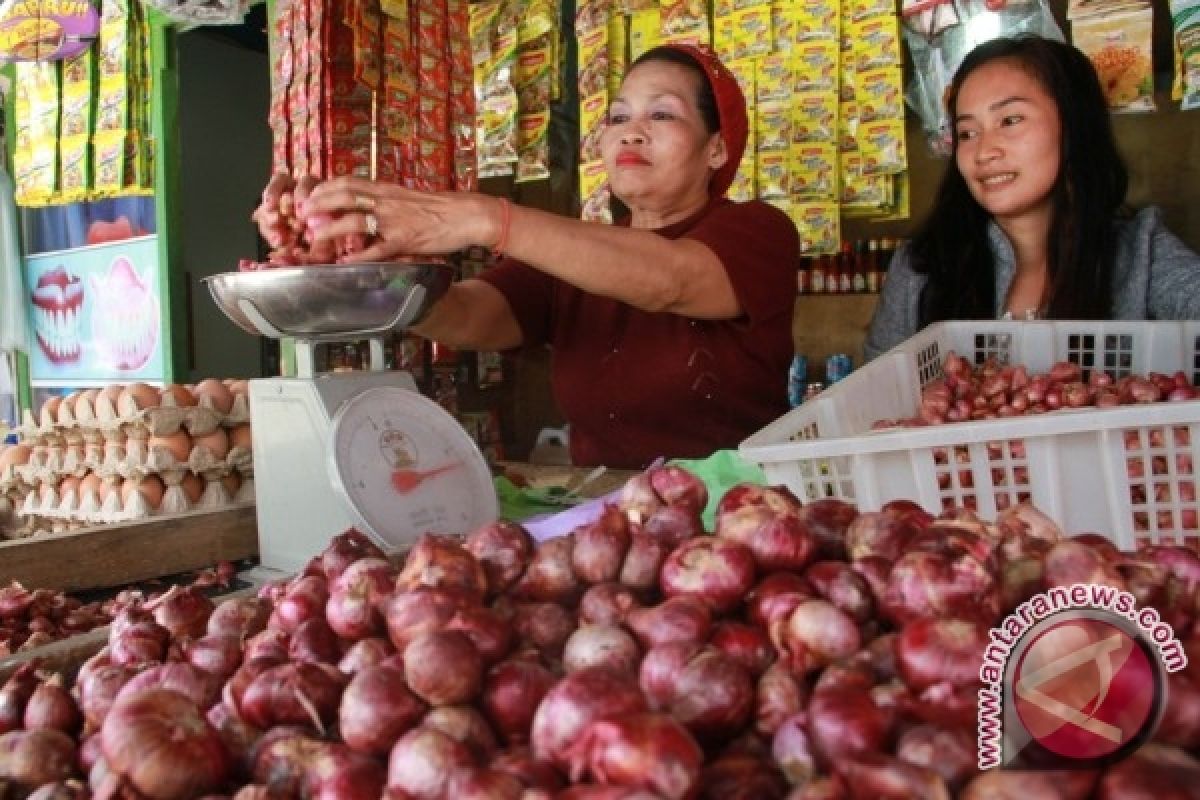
(120, 553)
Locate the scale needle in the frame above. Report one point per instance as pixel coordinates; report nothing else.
(405, 480)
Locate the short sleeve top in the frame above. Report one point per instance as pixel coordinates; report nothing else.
(635, 385)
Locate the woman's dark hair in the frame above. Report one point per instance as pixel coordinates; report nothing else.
(706, 101)
(951, 246)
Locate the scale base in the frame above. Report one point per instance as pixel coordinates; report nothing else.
(298, 510)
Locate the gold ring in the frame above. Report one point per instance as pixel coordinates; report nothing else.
(372, 222)
(364, 203)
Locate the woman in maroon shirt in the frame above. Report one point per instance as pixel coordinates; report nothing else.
(670, 331)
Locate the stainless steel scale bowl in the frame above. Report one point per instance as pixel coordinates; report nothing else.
(361, 449)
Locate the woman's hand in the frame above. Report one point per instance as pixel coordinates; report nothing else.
(396, 221)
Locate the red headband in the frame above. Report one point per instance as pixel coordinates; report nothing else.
(731, 111)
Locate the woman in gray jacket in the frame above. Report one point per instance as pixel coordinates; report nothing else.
(1029, 219)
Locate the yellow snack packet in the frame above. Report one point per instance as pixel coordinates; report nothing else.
(745, 70)
(618, 49)
(774, 78)
(862, 9)
(593, 61)
(876, 43)
(847, 131)
(533, 147)
(899, 207)
(814, 170)
(817, 66)
(771, 173)
(686, 18)
(819, 226)
(752, 31)
(724, 40)
(593, 116)
(859, 192)
(817, 19)
(594, 193)
(773, 128)
(743, 187)
(814, 117)
(883, 146)
(644, 27)
(533, 80)
(880, 94)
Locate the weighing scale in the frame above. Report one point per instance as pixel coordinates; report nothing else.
(361, 449)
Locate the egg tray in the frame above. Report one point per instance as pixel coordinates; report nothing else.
(130, 458)
(50, 510)
(93, 415)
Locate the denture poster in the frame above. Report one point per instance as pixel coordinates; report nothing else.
(95, 313)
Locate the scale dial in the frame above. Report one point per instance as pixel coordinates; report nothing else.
(406, 467)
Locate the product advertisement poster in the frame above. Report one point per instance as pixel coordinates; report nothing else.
(95, 313)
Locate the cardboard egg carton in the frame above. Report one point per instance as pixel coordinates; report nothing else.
(138, 410)
(113, 501)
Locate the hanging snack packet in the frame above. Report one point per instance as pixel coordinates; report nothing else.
(1185, 16)
(883, 146)
(816, 19)
(745, 72)
(724, 39)
(752, 32)
(863, 9)
(533, 80)
(533, 147)
(819, 226)
(618, 47)
(1120, 45)
(847, 130)
(593, 115)
(818, 65)
(684, 18)
(774, 79)
(594, 193)
(773, 129)
(644, 27)
(876, 42)
(772, 173)
(591, 14)
(814, 169)
(482, 22)
(743, 188)
(783, 27)
(538, 18)
(593, 62)
(814, 117)
(860, 194)
(880, 94)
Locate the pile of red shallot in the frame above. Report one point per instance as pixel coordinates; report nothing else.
(32, 618)
(991, 390)
(797, 651)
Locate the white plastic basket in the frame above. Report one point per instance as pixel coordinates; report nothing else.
(1125, 472)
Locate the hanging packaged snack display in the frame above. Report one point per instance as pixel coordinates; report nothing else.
(1185, 17)
(1117, 36)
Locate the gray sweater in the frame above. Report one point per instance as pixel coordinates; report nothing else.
(1156, 277)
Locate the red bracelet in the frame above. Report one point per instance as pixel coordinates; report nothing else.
(505, 224)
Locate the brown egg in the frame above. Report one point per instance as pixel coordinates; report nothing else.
(214, 394)
(193, 487)
(178, 443)
(114, 448)
(15, 455)
(106, 489)
(49, 411)
(85, 404)
(150, 487)
(232, 482)
(178, 395)
(216, 443)
(90, 484)
(66, 409)
(108, 397)
(239, 436)
(68, 484)
(137, 396)
(40, 455)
